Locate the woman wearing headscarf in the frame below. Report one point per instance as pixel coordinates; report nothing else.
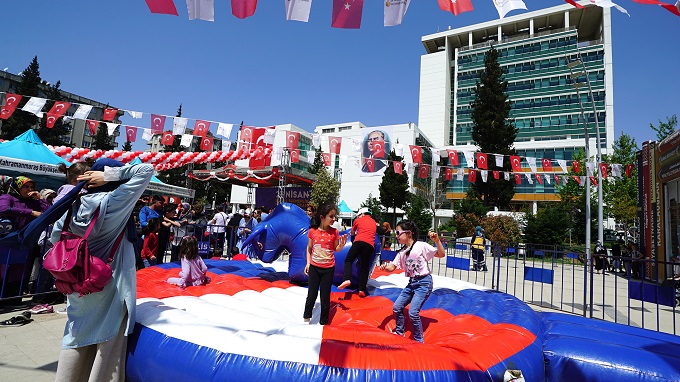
(21, 205)
(95, 338)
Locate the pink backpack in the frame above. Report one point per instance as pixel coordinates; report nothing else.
(71, 264)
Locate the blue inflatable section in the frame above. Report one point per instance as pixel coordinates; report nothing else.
(285, 228)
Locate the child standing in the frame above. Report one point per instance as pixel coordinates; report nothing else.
(193, 268)
(150, 248)
(324, 240)
(413, 258)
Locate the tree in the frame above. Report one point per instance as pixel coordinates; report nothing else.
(492, 130)
(393, 187)
(417, 211)
(573, 201)
(318, 162)
(501, 229)
(20, 121)
(620, 194)
(102, 140)
(53, 135)
(472, 205)
(127, 146)
(373, 205)
(549, 226)
(665, 129)
(325, 190)
(175, 176)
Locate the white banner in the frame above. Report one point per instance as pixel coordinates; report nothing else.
(563, 165)
(499, 160)
(298, 10)
(34, 105)
(82, 112)
(24, 166)
(201, 9)
(135, 114)
(469, 158)
(394, 11)
(111, 127)
(186, 140)
(224, 129)
(179, 125)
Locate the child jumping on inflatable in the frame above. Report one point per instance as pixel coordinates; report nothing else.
(193, 268)
(323, 241)
(413, 258)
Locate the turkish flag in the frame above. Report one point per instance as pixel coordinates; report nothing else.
(575, 4)
(547, 165)
(455, 6)
(59, 108)
(629, 169)
(603, 170)
(576, 166)
(516, 163)
(11, 103)
(157, 123)
(326, 159)
(577, 179)
(557, 179)
(168, 139)
(246, 135)
(377, 148)
(518, 179)
(334, 144)
(472, 176)
(243, 8)
(347, 14)
(294, 155)
(496, 175)
(51, 120)
(201, 128)
(92, 125)
(130, 133)
(448, 173)
(539, 178)
(370, 164)
(593, 180)
(416, 153)
(423, 170)
(109, 114)
(482, 161)
(292, 139)
(206, 144)
(453, 157)
(257, 139)
(398, 167)
(166, 7)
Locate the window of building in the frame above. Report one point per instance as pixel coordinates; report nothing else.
(327, 131)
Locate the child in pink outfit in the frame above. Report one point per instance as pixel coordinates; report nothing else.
(193, 268)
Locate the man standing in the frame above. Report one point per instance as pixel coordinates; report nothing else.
(155, 210)
(219, 223)
(363, 229)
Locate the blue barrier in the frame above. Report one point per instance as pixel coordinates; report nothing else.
(658, 294)
(387, 255)
(458, 262)
(540, 275)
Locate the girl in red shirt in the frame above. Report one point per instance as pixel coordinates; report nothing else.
(150, 247)
(324, 240)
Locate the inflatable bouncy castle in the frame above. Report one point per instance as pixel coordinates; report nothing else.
(247, 325)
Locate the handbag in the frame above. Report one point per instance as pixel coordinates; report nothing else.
(72, 266)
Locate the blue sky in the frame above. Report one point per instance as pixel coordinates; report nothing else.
(265, 70)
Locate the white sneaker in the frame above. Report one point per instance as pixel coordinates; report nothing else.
(61, 310)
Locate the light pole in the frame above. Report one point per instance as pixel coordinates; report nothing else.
(574, 75)
(588, 263)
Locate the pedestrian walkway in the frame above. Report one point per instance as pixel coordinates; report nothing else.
(30, 352)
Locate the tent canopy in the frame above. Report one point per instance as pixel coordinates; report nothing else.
(157, 186)
(345, 211)
(27, 155)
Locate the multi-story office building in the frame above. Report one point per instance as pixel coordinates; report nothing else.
(534, 50)
(79, 135)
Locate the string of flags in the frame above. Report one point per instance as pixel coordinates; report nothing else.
(347, 14)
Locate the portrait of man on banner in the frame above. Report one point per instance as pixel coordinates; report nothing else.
(375, 149)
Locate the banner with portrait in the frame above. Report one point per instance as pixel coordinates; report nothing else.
(375, 149)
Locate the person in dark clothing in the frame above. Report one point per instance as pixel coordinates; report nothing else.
(168, 220)
(600, 257)
(364, 228)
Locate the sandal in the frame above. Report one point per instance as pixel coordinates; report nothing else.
(20, 320)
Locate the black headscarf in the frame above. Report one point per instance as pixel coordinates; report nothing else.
(28, 236)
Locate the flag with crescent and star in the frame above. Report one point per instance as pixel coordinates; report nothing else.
(206, 144)
(416, 153)
(11, 103)
(453, 157)
(131, 133)
(334, 144)
(472, 176)
(347, 14)
(157, 123)
(57, 110)
(109, 114)
(455, 6)
(201, 128)
(168, 138)
(92, 126)
(292, 139)
(482, 162)
(398, 167)
(516, 163)
(546, 164)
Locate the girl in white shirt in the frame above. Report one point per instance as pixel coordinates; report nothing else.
(413, 258)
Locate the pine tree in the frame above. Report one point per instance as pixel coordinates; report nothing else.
(53, 136)
(665, 129)
(326, 189)
(620, 194)
(102, 140)
(417, 211)
(20, 121)
(493, 131)
(318, 162)
(175, 176)
(393, 187)
(373, 205)
(127, 146)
